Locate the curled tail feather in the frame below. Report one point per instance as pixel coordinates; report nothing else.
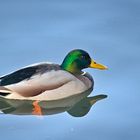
(4, 91)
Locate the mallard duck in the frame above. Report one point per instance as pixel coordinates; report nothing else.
(49, 81)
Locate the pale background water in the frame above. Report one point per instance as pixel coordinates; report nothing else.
(45, 30)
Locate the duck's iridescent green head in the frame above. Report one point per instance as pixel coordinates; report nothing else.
(77, 60)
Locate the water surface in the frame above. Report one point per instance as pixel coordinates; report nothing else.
(34, 31)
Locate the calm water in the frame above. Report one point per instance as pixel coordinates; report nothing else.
(39, 30)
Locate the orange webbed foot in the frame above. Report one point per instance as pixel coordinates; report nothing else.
(36, 108)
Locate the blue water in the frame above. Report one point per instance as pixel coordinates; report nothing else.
(39, 30)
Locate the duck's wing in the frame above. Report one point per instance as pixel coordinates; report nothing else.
(18, 76)
(33, 80)
(26, 73)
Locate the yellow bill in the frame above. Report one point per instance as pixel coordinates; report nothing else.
(95, 65)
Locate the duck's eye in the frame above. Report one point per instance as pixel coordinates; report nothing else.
(83, 57)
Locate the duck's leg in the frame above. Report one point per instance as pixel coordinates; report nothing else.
(36, 108)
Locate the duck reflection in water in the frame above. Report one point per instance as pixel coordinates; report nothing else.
(75, 106)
